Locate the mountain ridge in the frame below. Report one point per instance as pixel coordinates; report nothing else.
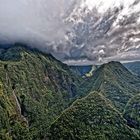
(92, 117)
(35, 89)
(116, 82)
(35, 86)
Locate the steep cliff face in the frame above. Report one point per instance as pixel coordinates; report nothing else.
(35, 89)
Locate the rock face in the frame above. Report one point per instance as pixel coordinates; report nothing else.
(92, 118)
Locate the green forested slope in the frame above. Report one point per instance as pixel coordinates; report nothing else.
(132, 112)
(35, 89)
(91, 118)
(134, 67)
(115, 82)
(37, 94)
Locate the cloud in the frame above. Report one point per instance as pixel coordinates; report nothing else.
(74, 31)
(114, 32)
(33, 20)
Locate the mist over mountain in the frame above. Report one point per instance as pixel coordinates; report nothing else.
(75, 31)
(32, 22)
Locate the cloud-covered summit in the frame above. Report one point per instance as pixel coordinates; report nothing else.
(75, 31)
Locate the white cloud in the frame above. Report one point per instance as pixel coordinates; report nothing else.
(33, 19)
(101, 52)
(103, 5)
(113, 35)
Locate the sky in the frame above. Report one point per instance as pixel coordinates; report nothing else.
(107, 30)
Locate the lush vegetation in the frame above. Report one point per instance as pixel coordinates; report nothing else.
(35, 89)
(41, 98)
(115, 82)
(91, 118)
(134, 67)
(132, 112)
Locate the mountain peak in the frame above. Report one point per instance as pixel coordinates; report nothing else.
(112, 64)
(116, 82)
(113, 68)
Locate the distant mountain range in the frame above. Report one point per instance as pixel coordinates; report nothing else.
(134, 67)
(44, 99)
